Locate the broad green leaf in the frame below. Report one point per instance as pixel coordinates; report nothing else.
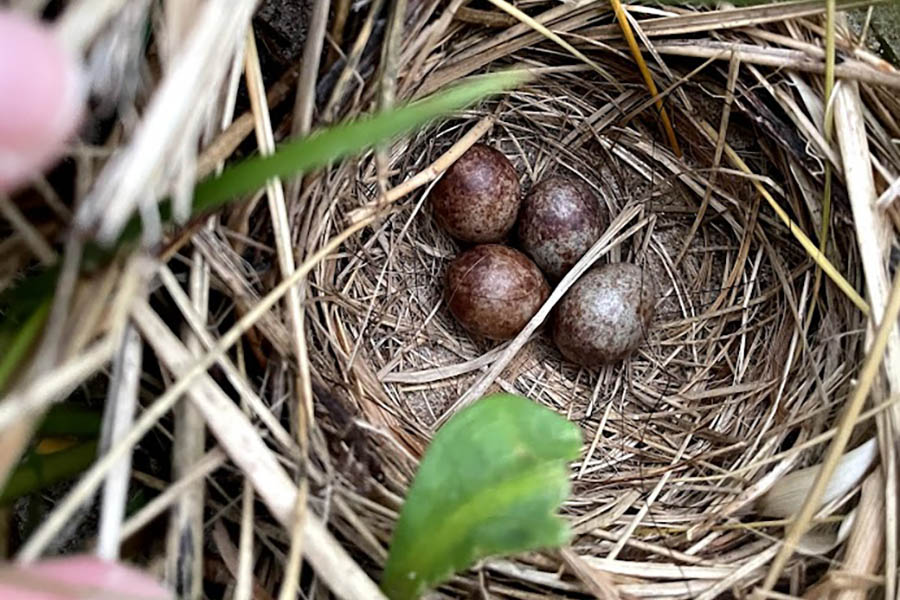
(490, 483)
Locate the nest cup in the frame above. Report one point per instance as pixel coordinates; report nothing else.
(741, 361)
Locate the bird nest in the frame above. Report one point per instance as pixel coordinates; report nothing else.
(751, 352)
(696, 446)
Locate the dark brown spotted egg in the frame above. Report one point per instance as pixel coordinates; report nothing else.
(561, 219)
(493, 290)
(605, 314)
(477, 199)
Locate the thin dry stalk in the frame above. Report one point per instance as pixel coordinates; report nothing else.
(426, 175)
(873, 230)
(622, 18)
(285, 251)
(208, 464)
(733, 68)
(121, 406)
(387, 78)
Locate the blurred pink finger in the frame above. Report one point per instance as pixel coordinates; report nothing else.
(78, 578)
(41, 96)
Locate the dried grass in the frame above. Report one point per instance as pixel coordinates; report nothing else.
(741, 379)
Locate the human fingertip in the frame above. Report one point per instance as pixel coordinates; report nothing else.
(42, 95)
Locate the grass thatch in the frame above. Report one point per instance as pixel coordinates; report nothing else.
(322, 310)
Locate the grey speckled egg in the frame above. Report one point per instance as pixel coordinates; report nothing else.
(477, 200)
(603, 316)
(561, 219)
(493, 291)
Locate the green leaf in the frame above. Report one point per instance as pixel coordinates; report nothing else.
(490, 483)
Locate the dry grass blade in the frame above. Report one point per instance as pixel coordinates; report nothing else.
(285, 252)
(35, 241)
(781, 58)
(39, 394)
(550, 35)
(733, 67)
(595, 579)
(622, 18)
(172, 119)
(873, 229)
(729, 18)
(426, 175)
(120, 409)
(247, 450)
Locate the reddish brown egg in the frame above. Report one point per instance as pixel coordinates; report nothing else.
(477, 199)
(493, 290)
(605, 314)
(561, 219)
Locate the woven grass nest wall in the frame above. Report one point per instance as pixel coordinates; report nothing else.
(696, 446)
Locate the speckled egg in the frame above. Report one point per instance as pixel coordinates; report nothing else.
(605, 314)
(561, 219)
(477, 200)
(493, 290)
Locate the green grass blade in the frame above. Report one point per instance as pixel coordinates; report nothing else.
(323, 147)
(41, 470)
(490, 483)
(16, 341)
